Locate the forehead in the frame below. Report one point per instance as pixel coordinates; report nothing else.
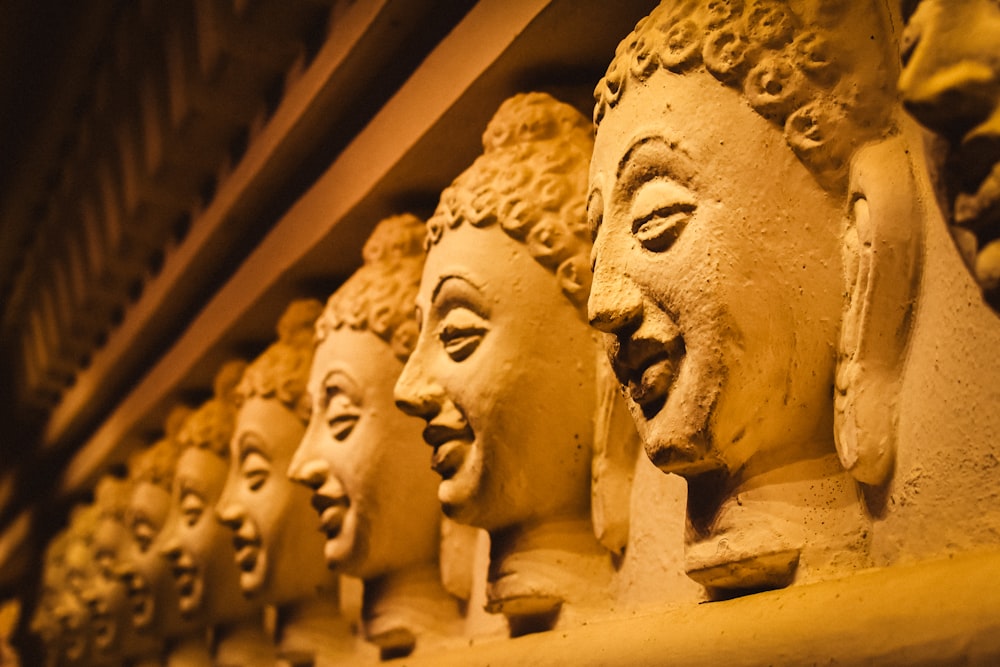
(150, 500)
(360, 355)
(198, 463)
(485, 258)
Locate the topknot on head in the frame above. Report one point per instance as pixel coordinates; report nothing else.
(282, 371)
(531, 181)
(379, 297)
(801, 69)
(394, 239)
(111, 497)
(211, 425)
(529, 117)
(295, 327)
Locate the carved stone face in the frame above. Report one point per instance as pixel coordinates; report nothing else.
(106, 597)
(71, 611)
(365, 461)
(199, 549)
(951, 83)
(144, 572)
(503, 373)
(715, 274)
(278, 549)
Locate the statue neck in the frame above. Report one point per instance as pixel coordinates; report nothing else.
(535, 571)
(793, 523)
(406, 605)
(243, 643)
(314, 629)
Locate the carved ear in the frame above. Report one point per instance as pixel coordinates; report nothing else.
(881, 245)
(616, 446)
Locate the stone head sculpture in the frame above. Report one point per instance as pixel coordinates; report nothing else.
(199, 549)
(505, 371)
(727, 134)
(951, 83)
(363, 458)
(76, 571)
(106, 597)
(279, 552)
(146, 574)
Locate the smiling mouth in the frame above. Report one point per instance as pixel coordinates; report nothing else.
(646, 369)
(450, 447)
(247, 552)
(141, 604)
(103, 630)
(332, 512)
(186, 578)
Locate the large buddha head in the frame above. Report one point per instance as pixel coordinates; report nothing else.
(717, 203)
(362, 457)
(279, 552)
(508, 376)
(503, 369)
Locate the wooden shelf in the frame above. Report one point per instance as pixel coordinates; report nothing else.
(426, 134)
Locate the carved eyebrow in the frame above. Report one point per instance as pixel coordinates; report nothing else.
(653, 156)
(451, 276)
(251, 442)
(344, 382)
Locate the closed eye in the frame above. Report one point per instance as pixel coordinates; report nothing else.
(659, 230)
(461, 333)
(660, 210)
(460, 342)
(342, 423)
(255, 469)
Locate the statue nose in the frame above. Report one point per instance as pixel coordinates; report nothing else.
(230, 515)
(171, 549)
(416, 395)
(615, 302)
(312, 473)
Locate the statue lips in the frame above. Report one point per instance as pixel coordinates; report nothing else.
(646, 368)
(331, 510)
(188, 582)
(75, 640)
(247, 546)
(140, 598)
(101, 621)
(450, 443)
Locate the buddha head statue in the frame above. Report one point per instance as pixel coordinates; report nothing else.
(106, 596)
(75, 568)
(279, 552)
(724, 161)
(146, 574)
(364, 459)
(199, 549)
(505, 371)
(951, 83)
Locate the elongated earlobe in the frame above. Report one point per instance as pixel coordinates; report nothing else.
(616, 446)
(881, 245)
